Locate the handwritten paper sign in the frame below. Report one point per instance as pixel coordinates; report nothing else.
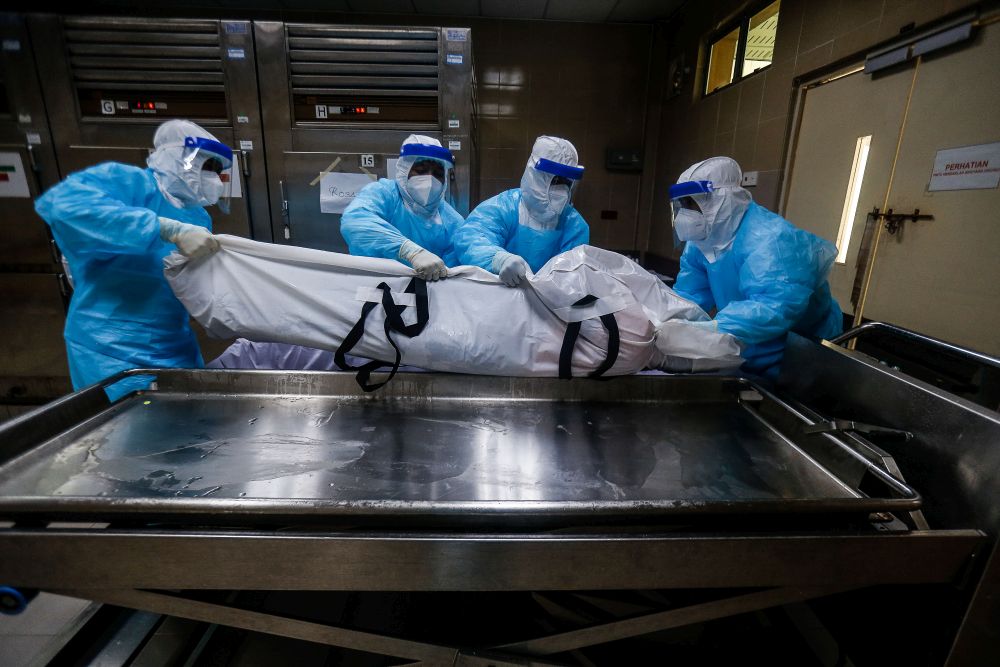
(337, 190)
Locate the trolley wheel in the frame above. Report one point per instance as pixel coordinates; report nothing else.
(14, 601)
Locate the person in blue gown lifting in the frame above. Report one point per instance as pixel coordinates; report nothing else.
(519, 230)
(114, 224)
(407, 218)
(763, 276)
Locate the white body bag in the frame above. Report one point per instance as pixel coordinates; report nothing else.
(587, 312)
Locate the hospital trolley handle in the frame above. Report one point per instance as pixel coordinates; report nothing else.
(46, 421)
(900, 332)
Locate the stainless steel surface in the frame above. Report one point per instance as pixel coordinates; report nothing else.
(491, 549)
(846, 425)
(308, 64)
(223, 444)
(26, 243)
(115, 55)
(906, 334)
(33, 361)
(457, 88)
(954, 458)
(414, 560)
(308, 227)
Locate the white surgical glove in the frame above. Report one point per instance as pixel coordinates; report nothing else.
(511, 268)
(427, 265)
(191, 240)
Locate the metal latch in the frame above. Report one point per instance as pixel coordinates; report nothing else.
(845, 425)
(894, 221)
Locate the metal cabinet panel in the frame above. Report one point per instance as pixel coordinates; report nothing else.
(307, 225)
(33, 365)
(418, 81)
(27, 245)
(24, 130)
(78, 58)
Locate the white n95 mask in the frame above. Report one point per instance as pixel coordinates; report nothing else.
(690, 225)
(558, 199)
(424, 189)
(211, 188)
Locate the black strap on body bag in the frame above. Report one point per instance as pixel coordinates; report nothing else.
(393, 322)
(573, 332)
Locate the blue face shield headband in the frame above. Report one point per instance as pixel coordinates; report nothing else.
(218, 150)
(690, 189)
(428, 150)
(559, 169)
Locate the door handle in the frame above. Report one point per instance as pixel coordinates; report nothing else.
(36, 170)
(286, 219)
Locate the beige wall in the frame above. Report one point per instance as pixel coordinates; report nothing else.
(750, 120)
(584, 82)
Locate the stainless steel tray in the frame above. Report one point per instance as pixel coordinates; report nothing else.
(221, 447)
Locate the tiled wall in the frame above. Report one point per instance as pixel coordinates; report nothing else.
(750, 120)
(584, 82)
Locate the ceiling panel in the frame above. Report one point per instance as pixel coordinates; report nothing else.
(644, 10)
(514, 9)
(310, 5)
(380, 6)
(579, 10)
(597, 11)
(447, 7)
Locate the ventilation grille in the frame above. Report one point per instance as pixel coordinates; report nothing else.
(125, 54)
(389, 62)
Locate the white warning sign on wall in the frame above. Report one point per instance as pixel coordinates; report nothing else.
(966, 168)
(337, 190)
(13, 179)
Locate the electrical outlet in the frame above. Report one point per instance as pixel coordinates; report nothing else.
(749, 178)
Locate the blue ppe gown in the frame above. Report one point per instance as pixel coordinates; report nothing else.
(123, 314)
(377, 223)
(494, 225)
(771, 280)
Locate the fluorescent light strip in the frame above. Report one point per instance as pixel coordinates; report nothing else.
(851, 200)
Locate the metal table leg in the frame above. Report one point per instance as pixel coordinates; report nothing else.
(642, 625)
(174, 605)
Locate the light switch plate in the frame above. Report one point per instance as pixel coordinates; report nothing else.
(749, 178)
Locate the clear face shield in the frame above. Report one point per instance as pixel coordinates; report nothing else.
(560, 182)
(428, 171)
(207, 169)
(687, 205)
